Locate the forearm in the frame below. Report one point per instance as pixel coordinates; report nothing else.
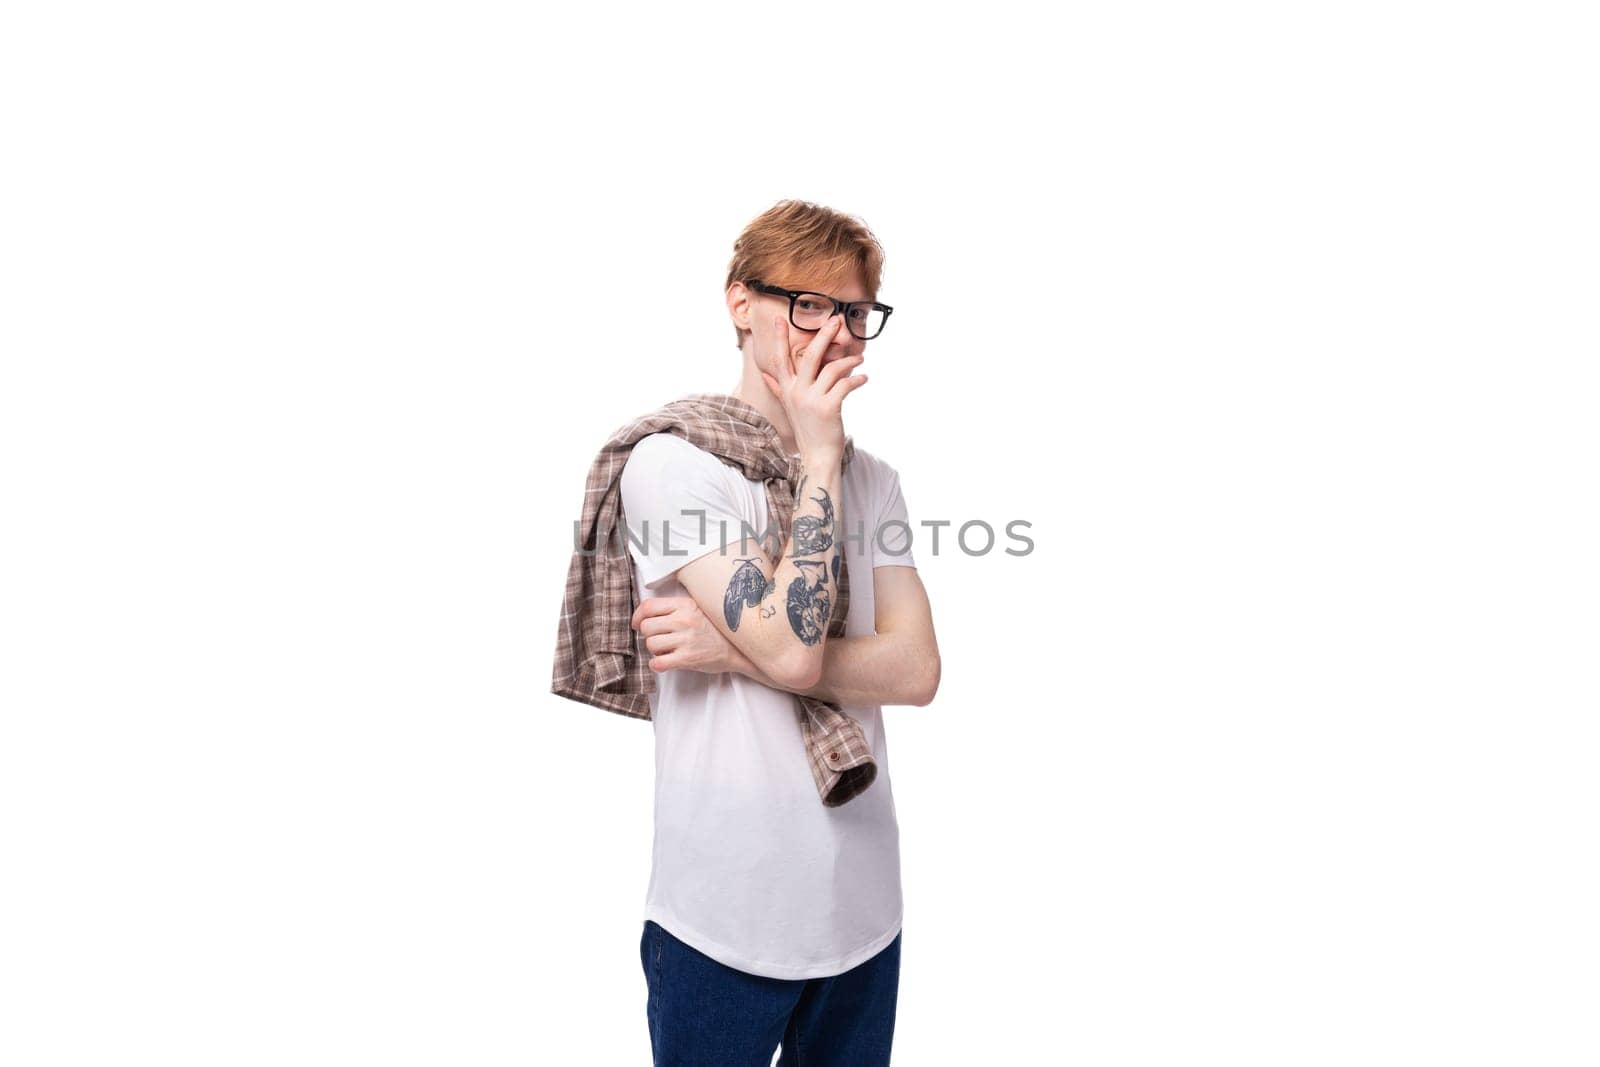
(777, 616)
(872, 669)
(803, 583)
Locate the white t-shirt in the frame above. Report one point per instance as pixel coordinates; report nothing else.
(748, 865)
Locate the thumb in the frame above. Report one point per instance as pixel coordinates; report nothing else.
(772, 385)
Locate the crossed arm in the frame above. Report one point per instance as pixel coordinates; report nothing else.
(897, 665)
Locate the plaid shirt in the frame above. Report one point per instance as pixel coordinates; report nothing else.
(601, 661)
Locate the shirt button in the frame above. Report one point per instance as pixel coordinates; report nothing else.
(833, 757)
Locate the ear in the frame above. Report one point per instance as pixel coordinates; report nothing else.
(738, 299)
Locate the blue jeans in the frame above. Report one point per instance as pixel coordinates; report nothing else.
(706, 1014)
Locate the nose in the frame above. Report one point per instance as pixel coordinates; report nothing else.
(844, 342)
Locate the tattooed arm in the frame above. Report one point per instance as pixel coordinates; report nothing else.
(776, 618)
(897, 665)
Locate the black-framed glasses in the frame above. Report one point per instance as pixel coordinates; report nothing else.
(809, 311)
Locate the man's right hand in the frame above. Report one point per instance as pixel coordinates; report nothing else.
(812, 394)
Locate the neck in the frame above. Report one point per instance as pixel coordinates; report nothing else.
(753, 391)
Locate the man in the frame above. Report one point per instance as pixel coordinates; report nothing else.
(772, 917)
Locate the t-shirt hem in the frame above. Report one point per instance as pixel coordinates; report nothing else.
(765, 968)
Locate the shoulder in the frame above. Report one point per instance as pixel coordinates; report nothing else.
(873, 470)
(874, 485)
(666, 455)
(665, 474)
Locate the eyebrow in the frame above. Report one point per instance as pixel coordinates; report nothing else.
(830, 296)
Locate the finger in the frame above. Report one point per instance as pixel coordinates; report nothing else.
(810, 360)
(785, 361)
(663, 643)
(772, 385)
(666, 663)
(653, 606)
(847, 386)
(830, 373)
(658, 624)
(671, 615)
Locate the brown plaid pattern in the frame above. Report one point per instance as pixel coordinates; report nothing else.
(601, 661)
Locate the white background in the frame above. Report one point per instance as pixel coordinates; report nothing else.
(1276, 322)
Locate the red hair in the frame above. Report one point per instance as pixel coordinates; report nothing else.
(798, 244)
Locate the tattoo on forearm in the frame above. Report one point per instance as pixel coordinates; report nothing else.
(748, 588)
(813, 535)
(809, 600)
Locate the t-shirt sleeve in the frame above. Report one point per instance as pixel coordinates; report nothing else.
(890, 539)
(666, 485)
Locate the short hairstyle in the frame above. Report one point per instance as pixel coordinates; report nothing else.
(796, 239)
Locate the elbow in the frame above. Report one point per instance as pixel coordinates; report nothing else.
(809, 674)
(927, 683)
(797, 672)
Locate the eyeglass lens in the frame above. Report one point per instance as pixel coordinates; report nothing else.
(810, 312)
